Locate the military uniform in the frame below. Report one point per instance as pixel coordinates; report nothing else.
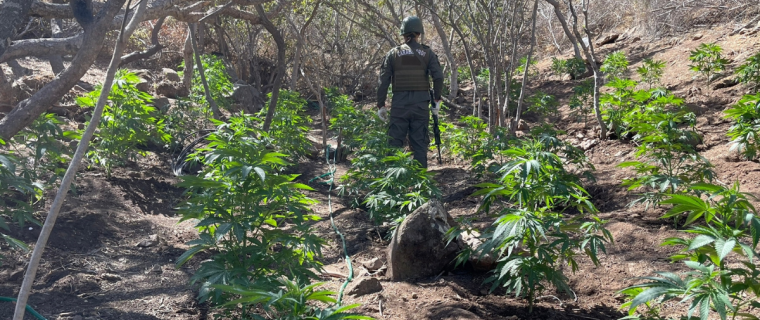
(410, 105)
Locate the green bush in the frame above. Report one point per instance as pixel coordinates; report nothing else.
(127, 123)
(254, 220)
(749, 72)
(651, 71)
(352, 123)
(219, 82)
(616, 65)
(15, 193)
(707, 61)
(746, 128)
(729, 224)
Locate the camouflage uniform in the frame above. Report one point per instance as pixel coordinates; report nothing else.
(410, 109)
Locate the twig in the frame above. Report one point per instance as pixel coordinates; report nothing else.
(561, 304)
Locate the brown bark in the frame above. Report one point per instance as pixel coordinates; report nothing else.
(28, 110)
(563, 22)
(281, 46)
(12, 13)
(155, 46)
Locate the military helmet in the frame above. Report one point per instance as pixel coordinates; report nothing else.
(412, 24)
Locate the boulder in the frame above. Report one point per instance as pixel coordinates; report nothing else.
(418, 248)
(172, 90)
(364, 286)
(171, 75)
(373, 264)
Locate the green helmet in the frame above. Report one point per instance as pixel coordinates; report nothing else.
(412, 24)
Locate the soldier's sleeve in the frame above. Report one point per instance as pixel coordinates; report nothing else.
(437, 73)
(384, 81)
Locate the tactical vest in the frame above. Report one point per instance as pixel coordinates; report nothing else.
(409, 74)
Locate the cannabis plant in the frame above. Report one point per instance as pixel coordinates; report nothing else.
(651, 71)
(289, 124)
(749, 72)
(219, 82)
(707, 61)
(573, 66)
(726, 227)
(744, 132)
(254, 220)
(127, 124)
(616, 65)
(531, 238)
(290, 300)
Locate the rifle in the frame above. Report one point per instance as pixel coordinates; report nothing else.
(436, 129)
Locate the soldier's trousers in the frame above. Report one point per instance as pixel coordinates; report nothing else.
(411, 120)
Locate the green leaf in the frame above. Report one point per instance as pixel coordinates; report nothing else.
(700, 241)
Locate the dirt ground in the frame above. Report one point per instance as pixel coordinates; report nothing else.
(93, 267)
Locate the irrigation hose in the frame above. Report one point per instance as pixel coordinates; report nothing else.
(331, 183)
(28, 308)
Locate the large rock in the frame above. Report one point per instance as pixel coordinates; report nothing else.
(172, 90)
(143, 85)
(418, 248)
(608, 39)
(484, 262)
(171, 75)
(725, 83)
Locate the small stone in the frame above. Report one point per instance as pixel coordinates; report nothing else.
(365, 286)
(579, 135)
(414, 296)
(373, 265)
(697, 36)
(151, 241)
(111, 277)
(143, 85)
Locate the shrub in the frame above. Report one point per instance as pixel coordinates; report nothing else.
(254, 220)
(729, 224)
(15, 191)
(651, 71)
(352, 123)
(707, 61)
(749, 72)
(126, 124)
(616, 65)
(746, 128)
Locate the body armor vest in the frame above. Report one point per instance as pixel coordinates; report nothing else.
(409, 74)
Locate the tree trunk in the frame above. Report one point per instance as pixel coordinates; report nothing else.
(525, 72)
(299, 46)
(187, 51)
(454, 75)
(6, 91)
(568, 33)
(199, 62)
(56, 60)
(281, 46)
(47, 228)
(28, 110)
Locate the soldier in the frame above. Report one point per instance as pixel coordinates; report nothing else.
(409, 68)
